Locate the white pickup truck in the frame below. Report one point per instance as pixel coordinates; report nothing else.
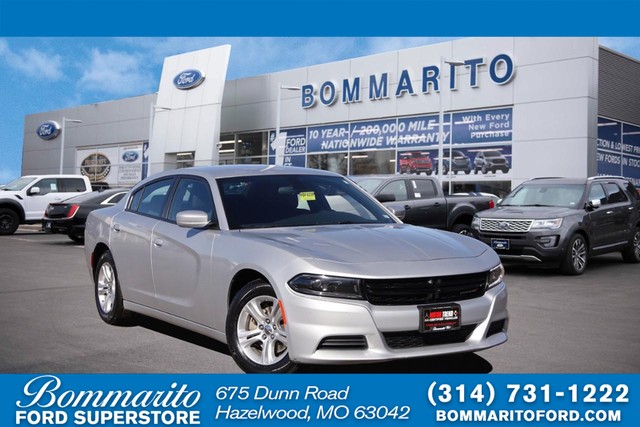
(24, 200)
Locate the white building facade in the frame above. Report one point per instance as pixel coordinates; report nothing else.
(511, 109)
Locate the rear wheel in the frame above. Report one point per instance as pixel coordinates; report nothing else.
(107, 292)
(575, 260)
(77, 238)
(632, 252)
(463, 229)
(9, 221)
(256, 331)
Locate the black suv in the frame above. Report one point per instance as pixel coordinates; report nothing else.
(562, 222)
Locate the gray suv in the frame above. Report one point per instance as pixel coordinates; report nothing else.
(562, 222)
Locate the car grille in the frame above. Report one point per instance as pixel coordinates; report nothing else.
(349, 342)
(412, 339)
(506, 225)
(425, 290)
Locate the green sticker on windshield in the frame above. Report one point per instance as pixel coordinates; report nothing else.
(307, 196)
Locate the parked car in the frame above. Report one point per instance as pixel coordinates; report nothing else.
(490, 161)
(24, 200)
(69, 217)
(563, 222)
(291, 265)
(460, 161)
(424, 202)
(415, 162)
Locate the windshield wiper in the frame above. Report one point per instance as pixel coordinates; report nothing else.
(539, 205)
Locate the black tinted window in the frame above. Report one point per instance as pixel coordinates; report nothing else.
(135, 199)
(615, 193)
(192, 195)
(423, 188)
(72, 185)
(154, 197)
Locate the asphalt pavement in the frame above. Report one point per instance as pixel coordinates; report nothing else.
(49, 323)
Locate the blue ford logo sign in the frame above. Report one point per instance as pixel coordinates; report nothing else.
(130, 156)
(188, 79)
(48, 130)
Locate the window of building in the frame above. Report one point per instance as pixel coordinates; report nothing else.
(372, 162)
(334, 162)
(185, 159)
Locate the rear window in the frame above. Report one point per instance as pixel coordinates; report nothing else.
(72, 185)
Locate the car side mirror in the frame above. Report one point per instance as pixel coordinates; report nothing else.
(382, 198)
(593, 204)
(398, 211)
(192, 219)
(34, 190)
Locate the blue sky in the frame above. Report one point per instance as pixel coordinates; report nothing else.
(42, 74)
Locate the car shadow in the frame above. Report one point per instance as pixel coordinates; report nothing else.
(596, 263)
(463, 363)
(179, 333)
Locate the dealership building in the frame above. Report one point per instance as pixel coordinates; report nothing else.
(483, 113)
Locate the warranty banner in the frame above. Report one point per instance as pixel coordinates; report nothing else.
(328, 400)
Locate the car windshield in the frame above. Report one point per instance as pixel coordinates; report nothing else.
(492, 154)
(296, 200)
(561, 195)
(18, 184)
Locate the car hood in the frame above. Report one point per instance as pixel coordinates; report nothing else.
(369, 243)
(527, 212)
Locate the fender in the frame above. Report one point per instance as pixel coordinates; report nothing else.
(7, 202)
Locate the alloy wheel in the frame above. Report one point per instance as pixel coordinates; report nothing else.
(106, 288)
(261, 331)
(579, 254)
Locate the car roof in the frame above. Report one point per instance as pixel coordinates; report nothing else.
(228, 171)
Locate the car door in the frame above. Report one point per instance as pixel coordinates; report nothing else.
(398, 188)
(36, 203)
(181, 257)
(618, 205)
(430, 208)
(601, 219)
(131, 233)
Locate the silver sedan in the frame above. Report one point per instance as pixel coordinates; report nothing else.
(290, 265)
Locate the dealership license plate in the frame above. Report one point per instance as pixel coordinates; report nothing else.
(439, 318)
(500, 244)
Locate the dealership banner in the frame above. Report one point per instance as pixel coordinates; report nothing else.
(327, 400)
(618, 149)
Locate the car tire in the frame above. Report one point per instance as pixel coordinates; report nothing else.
(631, 254)
(463, 229)
(429, 173)
(108, 294)
(576, 257)
(467, 171)
(256, 332)
(475, 170)
(9, 221)
(484, 169)
(77, 238)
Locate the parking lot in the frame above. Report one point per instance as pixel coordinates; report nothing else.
(49, 322)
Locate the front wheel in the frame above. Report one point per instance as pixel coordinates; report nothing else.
(631, 253)
(256, 331)
(9, 221)
(575, 260)
(107, 292)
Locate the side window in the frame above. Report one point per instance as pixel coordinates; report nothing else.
(154, 197)
(135, 200)
(423, 188)
(192, 195)
(615, 193)
(114, 199)
(72, 185)
(397, 188)
(47, 185)
(597, 193)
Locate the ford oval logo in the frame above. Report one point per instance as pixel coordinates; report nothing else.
(130, 156)
(188, 79)
(48, 130)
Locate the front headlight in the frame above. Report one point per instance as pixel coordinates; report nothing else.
(475, 223)
(495, 276)
(327, 286)
(551, 224)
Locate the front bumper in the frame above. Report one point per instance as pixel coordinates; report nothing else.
(536, 247)
(382, 333)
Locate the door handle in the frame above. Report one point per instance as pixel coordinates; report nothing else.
(407, 207)
(116, 227)
(609, 212)
(158, 242)
(630, 208)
